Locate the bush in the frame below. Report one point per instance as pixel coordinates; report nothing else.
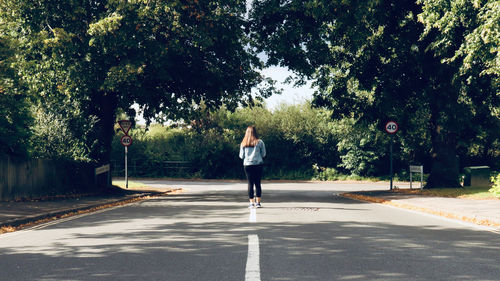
(150, 152)
(295, 138)
(496, 184)
(15, 117)
(326, 174)
(214, 154)
(362, 148)
(60, 133)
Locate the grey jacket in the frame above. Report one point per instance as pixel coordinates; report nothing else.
(253, 155)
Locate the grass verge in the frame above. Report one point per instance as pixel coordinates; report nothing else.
(131, 184)
(478, 193)
(470, 219)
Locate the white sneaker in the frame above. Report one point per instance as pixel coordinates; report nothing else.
(258, 205)
(251, 206)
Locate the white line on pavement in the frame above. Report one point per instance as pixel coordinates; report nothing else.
(252, 271)
(253, 216)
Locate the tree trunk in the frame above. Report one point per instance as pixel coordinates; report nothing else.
(104, 107)
(442, 96)
(444, 159)
(444, 167)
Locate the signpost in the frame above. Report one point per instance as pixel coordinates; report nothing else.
(126, 141)
(417, 169)
(101, 170)
(391, 128)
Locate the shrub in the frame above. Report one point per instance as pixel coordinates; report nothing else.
(15, 117)
(496, 184)
(362, 147)
(326, 174)
(59, 132)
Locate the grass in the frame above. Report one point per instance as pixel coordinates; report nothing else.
(131, 184)
(462, 193)
(140, 186)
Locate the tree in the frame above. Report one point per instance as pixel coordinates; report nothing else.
(469, 37)
(373, 61)
(14, 109)
(166, 56)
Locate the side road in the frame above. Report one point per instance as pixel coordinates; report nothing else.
(15, 215)
(481, 212)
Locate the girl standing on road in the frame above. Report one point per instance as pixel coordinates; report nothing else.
(252, 151)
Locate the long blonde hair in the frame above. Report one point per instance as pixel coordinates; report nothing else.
(251, 138)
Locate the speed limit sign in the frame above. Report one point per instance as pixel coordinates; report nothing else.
(391, 127)
(126, 140)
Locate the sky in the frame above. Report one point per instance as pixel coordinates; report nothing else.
(291, 95)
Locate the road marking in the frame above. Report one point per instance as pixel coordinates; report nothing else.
(252, 271)
(253, 215)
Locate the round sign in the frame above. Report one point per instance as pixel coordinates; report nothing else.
(391, 127)
(126, 140)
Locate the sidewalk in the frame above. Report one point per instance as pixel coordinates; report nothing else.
(16, 214)
(481, 212)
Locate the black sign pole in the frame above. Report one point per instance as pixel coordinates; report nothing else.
(126, 168)
(390, 152)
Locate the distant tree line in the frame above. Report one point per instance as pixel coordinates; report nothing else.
(303, 142)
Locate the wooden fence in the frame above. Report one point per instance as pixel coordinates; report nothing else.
(33, 178)
(144, 168)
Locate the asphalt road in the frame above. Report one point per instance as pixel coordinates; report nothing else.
(303, 232)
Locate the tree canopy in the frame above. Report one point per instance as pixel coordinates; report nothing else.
(14, 109)
(382, 60)
(166, 56)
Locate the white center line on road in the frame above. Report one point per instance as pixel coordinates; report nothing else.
(252, 271)
(253, 216)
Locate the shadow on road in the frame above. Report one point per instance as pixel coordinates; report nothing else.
(182, 237)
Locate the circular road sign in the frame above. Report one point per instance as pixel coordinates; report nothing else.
(391, 127)
(126, 140)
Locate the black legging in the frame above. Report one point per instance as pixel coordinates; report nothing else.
(254, 174)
